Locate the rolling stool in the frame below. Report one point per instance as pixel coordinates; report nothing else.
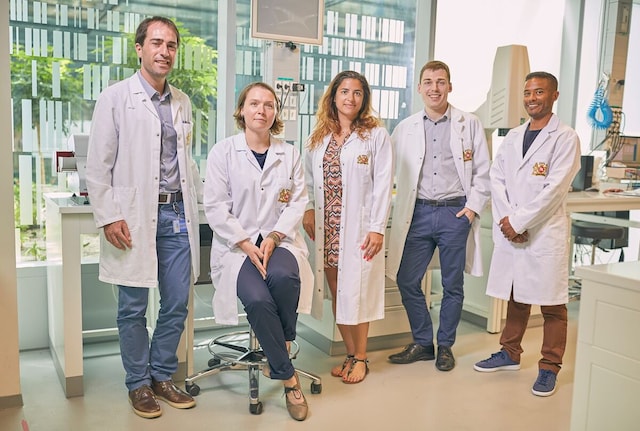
(594, 233)
(249, 357)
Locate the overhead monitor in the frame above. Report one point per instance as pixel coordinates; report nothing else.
(300, 21)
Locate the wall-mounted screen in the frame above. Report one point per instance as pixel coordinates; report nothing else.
(300, 21)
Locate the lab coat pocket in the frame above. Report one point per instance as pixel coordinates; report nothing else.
(538, 167)
(126, 197)
(364, 162)
(284, 193)
(187, 129)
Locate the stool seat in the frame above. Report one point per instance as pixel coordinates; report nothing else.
(596, 231)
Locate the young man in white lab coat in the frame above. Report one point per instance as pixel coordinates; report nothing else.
(442, 185)
(144, 189)
(530, 179)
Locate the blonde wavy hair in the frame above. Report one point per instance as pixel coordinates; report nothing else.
(327, 114)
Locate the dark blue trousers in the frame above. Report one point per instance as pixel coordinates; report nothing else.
(271, 306)
(433, 227)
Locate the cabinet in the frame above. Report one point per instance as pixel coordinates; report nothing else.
(606, 389)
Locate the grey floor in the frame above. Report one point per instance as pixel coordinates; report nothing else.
(402, 397)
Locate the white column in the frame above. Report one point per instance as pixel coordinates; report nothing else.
(425, 44)
(10, 393)
(226, 67)
(569, 76)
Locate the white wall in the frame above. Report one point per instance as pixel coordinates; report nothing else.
(467, 41)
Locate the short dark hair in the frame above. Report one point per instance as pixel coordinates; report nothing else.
(435, 65)
(141, 32)
(277, 125)
(544, 75)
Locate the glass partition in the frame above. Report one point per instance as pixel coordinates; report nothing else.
(65, 52)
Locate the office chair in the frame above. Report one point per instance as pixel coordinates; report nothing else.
(248, 356)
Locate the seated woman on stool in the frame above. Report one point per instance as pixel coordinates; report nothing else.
(254, 200)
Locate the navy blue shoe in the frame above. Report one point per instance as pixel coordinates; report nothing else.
(499, 361)
(545, 384)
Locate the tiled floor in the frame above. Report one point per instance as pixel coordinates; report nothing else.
(393, 397)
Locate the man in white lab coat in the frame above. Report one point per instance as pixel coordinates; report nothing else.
(144, 189)
(442, 184)
(530, 179)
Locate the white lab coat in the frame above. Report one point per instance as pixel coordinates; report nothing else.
(408, 139)
(242, 201)
(123, 181)
(532, 191)
(367, 180)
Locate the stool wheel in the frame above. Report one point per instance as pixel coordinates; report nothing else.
(316, 388)
(193, 390)
(256, 409)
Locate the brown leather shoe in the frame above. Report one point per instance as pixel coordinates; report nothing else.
(144, 402)
(297, 411)
(172, 395)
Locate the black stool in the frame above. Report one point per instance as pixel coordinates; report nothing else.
(595, 233)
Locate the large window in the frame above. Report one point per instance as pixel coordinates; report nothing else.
(375, 38)
(65, 52)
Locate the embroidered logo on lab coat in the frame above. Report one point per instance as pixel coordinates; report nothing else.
(363, 159)
(467, 155)
(540, 169)
(284, 196)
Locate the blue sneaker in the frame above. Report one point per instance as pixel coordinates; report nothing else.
(499, 361)
(545, 384)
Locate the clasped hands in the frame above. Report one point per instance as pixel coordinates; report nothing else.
(510, 233)
(260, 256)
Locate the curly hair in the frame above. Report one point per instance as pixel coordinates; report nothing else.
(327, 114)
(277, 125)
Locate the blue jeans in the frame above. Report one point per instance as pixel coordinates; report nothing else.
(142, 360)
(433, 227)
(271, 306)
